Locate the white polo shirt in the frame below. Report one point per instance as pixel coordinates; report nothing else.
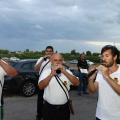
(53, 93)
(108, 107)
(42, 65)
(2, 74)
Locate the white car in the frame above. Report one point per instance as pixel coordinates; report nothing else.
(5, 58)
(73, 61)
(14, 58)
(89, 62)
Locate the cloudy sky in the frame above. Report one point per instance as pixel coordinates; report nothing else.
(83, 25)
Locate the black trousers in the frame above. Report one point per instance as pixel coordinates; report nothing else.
(85, 83)
(39, 104)
(56, 112)
(97, 118)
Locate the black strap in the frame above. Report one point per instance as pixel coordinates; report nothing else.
(61, 85)
(43, 67)
(62, 82)
(0, 83)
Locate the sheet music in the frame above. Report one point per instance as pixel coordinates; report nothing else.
(84, 70)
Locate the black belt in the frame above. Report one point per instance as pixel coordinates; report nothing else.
(56, 106)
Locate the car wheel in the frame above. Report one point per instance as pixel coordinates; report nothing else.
(28, 89)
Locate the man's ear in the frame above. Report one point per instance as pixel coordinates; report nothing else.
(115, 57)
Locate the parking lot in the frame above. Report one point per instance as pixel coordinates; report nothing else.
(24, 108)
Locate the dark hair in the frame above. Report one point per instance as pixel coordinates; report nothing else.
(82, 54)
(49, 47)
(114, 51)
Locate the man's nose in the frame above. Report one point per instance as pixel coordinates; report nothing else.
(103, 60)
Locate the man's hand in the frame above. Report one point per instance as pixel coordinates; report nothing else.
(46, 57)
(104, 70)
(55, 67)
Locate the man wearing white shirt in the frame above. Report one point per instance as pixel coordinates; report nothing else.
(56, 103)
(5, 69)
(107, 82)
(43, 64)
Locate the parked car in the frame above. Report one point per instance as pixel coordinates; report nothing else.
(26, 82)
(76, 61)
(14, 58)
(5, 58)
(74, 71)
(90, 62)
(73, 61)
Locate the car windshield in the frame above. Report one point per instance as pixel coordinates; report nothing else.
(12, 63)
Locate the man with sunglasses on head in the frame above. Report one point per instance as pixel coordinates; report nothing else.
(107, 81)
(42, 64)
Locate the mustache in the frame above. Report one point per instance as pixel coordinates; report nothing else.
(102, 63)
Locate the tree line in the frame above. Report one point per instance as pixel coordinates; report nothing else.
(37, 54)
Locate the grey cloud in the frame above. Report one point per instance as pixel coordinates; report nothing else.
(36, 21)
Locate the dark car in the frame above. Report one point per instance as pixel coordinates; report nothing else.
(26, 82)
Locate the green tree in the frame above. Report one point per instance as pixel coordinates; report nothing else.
(4, 51)
(27, 50)
(88, 53)
(96, 54)
(73, 52)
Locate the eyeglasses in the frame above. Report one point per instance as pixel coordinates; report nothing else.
(48, 51)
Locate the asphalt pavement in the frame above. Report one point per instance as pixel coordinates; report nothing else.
(17, 107)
